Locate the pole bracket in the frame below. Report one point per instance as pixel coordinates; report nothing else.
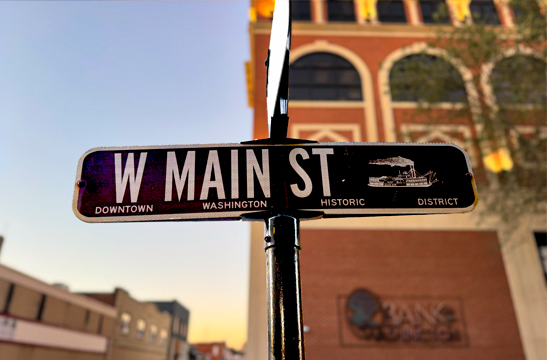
(297, 214)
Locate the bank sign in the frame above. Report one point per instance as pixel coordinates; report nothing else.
(368, 319)
(229, 181)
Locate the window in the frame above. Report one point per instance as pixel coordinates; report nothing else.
(126, 322)
(391, 11)
(300, 10)
(101, 322)
(434, 12)
(141, 328)
(484, 11)
(183, 327)
(176, 323)
(163, 337)
(324, 76)
(215, 351)
(409, 80)
(541, 242)
(519, 80)
(527, 11)
(153, 333)
(8, 298)
(341, 10)
(41, 308)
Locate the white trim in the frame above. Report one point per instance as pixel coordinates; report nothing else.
(353, 29)
(441, 132)
(366, 79)
(326, 104)
(30, 283)
(21, 331)
(413, 17)
(506, 14)
(381, 34)
(327, 130)
(318, 13)
(415, 105)
(390, 131)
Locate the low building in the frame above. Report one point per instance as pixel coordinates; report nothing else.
(236, 355)
(212, 351)
(141, 331)
(42, 321)
(178, 346)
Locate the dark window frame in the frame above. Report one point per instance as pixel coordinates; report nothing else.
(427, 14)
(9, 298)
(533, 11)
(41, 308)
(341, 10)
(503, 87)
(386, 11)
(541, 242)
(403, 92)
(299, 10)
(324, 76)
(479, 10)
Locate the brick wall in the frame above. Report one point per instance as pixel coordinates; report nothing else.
(464, 267)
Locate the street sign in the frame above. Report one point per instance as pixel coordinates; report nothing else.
(280, 41)
(231, 181)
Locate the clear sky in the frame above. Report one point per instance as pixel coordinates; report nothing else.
(75, 75)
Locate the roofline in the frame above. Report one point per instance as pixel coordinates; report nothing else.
(18, 278)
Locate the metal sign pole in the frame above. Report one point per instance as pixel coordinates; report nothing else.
(282, 245)
(282, 232)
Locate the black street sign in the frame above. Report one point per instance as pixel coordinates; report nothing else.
(226, 181)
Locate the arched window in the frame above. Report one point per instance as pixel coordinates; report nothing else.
(428, 78)
(324, 76)
(519, 80)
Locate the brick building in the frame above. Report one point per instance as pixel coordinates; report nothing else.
(412, 287)
(141, 331)
(212, 351)
(42, 321)
(180, 317)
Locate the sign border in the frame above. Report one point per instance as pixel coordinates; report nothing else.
(238, 215)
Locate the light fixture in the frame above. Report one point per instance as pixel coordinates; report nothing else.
(265, 8)
(498, 161)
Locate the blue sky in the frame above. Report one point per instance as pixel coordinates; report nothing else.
(75, 75)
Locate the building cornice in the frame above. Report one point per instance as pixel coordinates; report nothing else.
(353, 29)
(366, 30)
(17, 278)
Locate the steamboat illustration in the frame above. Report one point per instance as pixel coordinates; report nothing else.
(406, 178)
